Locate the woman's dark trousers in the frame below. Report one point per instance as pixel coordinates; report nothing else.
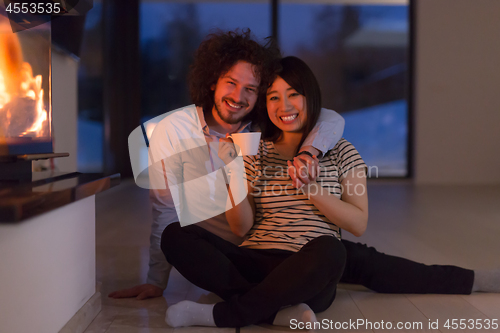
(255, 284)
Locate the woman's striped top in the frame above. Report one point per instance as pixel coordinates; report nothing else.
(284, 217)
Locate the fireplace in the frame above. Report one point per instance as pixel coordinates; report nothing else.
(52, 213)
(25, 108)
(25, 97)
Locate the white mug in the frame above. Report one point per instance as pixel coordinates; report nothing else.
(246, 143)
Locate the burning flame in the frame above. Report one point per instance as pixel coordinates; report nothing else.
(19, 90)
(32, 88)
(4, 96)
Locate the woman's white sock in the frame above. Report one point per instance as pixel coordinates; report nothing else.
(187, 313)
(300, 312)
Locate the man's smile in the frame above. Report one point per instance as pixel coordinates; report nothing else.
(232, 106)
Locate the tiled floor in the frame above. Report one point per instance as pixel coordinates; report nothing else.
(457, 225)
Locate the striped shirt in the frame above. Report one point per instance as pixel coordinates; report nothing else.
(284, 217)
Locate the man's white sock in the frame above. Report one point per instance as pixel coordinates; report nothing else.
(487, 280)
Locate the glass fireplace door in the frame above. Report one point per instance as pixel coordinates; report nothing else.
(25, 108)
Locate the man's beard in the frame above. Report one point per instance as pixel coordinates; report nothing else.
(229, 119)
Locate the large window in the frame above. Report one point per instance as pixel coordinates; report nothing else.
(360, 56)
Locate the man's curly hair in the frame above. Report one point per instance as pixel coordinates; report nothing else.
(222, 50)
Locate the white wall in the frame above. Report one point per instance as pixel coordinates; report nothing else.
(457, 111)
(65, 109)
(47, 268)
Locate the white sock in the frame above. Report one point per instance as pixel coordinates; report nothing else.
(301, 312)
(487, 280)
(187, 313)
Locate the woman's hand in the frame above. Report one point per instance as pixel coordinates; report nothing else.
(227, 151)
(304, 170)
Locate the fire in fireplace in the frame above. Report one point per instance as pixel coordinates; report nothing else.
(25, 108)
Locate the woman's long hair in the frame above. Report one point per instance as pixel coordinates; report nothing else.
(299, 76)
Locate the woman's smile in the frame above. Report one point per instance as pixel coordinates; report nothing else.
(289, 119)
